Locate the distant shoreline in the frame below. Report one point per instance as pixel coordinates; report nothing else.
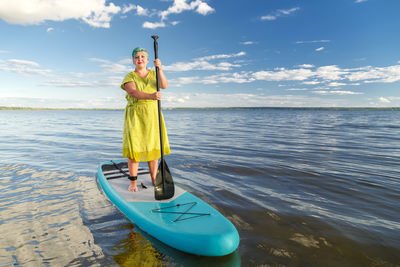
(28, 108)
(218, 108)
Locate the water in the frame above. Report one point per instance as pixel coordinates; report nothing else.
(303, 187)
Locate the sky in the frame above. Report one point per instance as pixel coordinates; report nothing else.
(215, 53)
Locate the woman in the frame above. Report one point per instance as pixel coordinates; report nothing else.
(141, 139)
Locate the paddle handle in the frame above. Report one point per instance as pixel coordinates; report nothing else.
(155, 37)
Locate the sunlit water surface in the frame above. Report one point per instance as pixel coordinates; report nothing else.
(303, 187)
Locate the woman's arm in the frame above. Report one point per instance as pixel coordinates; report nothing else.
(130, 88)
(162, 79)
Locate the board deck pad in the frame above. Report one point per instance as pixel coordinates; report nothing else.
(120, 182)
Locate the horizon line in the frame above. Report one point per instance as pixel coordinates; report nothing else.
(206, 108)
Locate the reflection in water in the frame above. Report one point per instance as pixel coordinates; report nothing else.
(136, 250)
(141, 249)
(40, 218)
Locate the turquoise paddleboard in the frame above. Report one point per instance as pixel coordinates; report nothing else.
(183, 222)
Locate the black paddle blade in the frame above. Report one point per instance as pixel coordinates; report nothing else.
(164, 188)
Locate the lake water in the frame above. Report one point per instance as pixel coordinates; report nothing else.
(304, 187)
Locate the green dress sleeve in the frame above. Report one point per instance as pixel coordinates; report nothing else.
(130, 77)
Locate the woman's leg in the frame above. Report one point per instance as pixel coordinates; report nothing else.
(153, 166)
(133, 172)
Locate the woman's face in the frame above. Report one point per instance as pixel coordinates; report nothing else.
(140, 60)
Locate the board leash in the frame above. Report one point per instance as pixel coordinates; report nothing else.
(125, 173)
(120, 169)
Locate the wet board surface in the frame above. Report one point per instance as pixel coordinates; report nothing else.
(120, 183)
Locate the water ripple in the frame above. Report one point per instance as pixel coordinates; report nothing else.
(296, 184)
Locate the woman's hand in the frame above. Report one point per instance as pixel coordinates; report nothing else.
(130, 88)
(163, 79)
(157, 63)
(156, 96)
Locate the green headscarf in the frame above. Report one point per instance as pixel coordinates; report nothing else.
(139, 49)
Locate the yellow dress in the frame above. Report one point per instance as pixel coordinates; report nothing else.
(141, 138)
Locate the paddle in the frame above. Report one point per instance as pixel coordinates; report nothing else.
(164, 187)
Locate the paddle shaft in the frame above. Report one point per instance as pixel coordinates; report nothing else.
(155, 37)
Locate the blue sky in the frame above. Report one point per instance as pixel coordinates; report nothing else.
(310, 53)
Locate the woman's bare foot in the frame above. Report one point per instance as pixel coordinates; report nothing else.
(133, 187)
(133, 169)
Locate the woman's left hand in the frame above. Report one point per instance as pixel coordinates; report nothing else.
(163, 80)
(157, 63)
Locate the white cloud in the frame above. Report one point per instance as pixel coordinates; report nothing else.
(128, 8)
(320, 49)
(204, 9)
(241, 77)
(331, 75)
(31, 12)
(336, 84)
(384, 100)
(70, 82)
(306, 66)
(140, 11)
(197, 65)
(153, 25)
(24, 67)
(110, 73)
(203, 63)
(248, 43)
(337, 92)
(288, 11)
(296, 89)
(360, 1)
(279, 13)
(370, 74)
(282, 74)
(236, 77)
(239, 54)
(50, 29)
(245, 100)
(214, 100)
(110, 67)
(20, 62)
(180, 6)
(181, 81)
(331, 72)
(269, 17)
(314, 82)
(48, 102)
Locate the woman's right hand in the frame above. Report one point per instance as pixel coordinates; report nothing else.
(156, 96)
